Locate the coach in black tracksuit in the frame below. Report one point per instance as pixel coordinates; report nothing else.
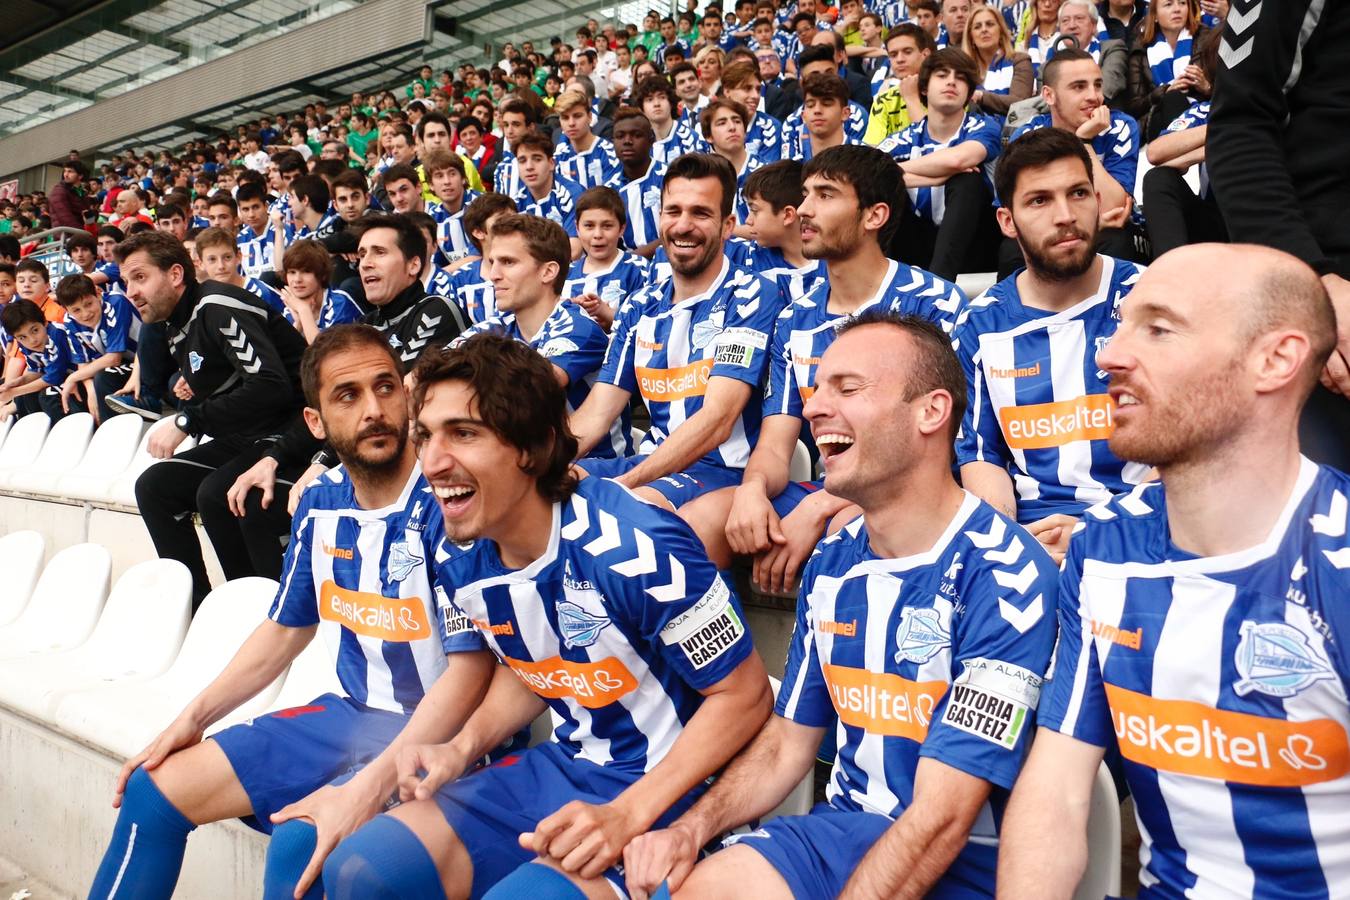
(241, 363)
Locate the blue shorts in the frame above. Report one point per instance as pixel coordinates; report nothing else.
(677, 487)
(817, 853)
(794, 493)
(285, 756)
(490, 808)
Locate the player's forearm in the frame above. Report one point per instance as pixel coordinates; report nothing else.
(1042, 841)
(262, 658)
(30, 387)
(913, 853)
(771, 459)
(759, 779)
(1166, 147)
(697, 436)
(92, 368)
(507, 707)
(1113, 194)
(946, 162)
(991, 484)
(592, 421)
(1186, 160)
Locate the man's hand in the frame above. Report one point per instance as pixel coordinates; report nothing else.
(424, 768)
(1054, 532)
(776, 570)
(753, 526)
(1117, 217)
(667, 855)
(182, 390)
(584, 839)
(164, 441)
(597, 309)
(262, 475)
(132, 386)
(182, 732)
(1095, 124)
(298, 488)
(1336, 375)
(335, 812)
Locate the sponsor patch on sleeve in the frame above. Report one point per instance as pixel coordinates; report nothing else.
(557, 347)
(706, 630)
(453, 622)
(992, 699)
(737, 346)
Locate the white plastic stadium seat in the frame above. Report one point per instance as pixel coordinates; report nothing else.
(21, 556)
(799, 802)
(65, 604)
(1102, 878)
(975, 283)
(137, 637)
(108, 456)
(123, 487)
(800, 467)
(23, 443)
(313, 674)
(125, 717)
(63, 449)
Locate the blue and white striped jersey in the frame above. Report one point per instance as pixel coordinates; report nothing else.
(268, 294)
(916, 142)
(680, 141)
(55, 361)
(793, 282)
(451, 237)
(576, 344)
(472, 291)
(590, 169)
(1037, 403)
(622, 278)
(439, 282)
(641, 203)
(892, 12)
(506, 177)
(363, 577)
(1222, 681)
(1195, 115)
(116, 332)
(761, 138)
(1118, 146)
(940, 654)
(114, 274)
(338, 309)
(998, 79)
(618, 626)
(742, 206)
(667, 351)
(806, 151)
(255, 252)
(794, 133)
(806, 328)
(559, 204)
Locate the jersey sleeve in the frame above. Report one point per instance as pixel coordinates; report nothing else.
(579, 352)
(61, 362)
(804, 697)
(117, 326)
(1074, 700)
(1121, 160)
(984, 130)
(783, 398)
(617, 369)
(296, 604)
(743, 346)
(980, 438)
(1001, 649)
(458, 634)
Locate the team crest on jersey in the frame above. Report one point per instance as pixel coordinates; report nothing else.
(612, 293)
(195, 361)
(579, 628)
(402, 560)
(920, 635)
(1277, 660)
(706, 332)
(651, 198)
(1099, 344)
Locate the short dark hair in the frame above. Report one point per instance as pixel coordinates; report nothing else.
(432, 117)
(544, 238)
(958, 62)
(169, 211)
(289, 161)
(1062, 57)
(516, 105)
(353, 180)
(932, 367)
(483, 208)
(777, 184)
(696, 166)
(410, 241)
(164, 250)
(113, 232)
(602, 198)
(248, 191)
(333, 340)
(871, 173)
(533, 140)
(312, 191)
(1034, 150)
(709, 112)
(84, 239)
(518, 397)
(36, 266)
(7, 269)
(400, 172)
(471, 122)
(17, 313)
(826, 84)
(308, 256)
(74, 288)
(222, 198)
(815, 53)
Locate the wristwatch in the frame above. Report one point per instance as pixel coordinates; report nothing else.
(180, 422)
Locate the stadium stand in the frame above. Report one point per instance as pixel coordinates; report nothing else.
(199, 198)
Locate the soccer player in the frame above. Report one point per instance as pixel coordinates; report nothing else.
(528, 278)
(581, 155)
(656, 696)
(357, 571)
(693, 346)
(1034, 442)
(311, 304)
(638, 180)
(657, 99)
(547, 194)
(102, 331)
(923, 626)
(846, 218)
(445, 173)
(1203, 624)
(219, 257)
(605, 275)
(1072, 88)
(948, 163)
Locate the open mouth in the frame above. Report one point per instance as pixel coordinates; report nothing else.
(454, 498)
(833, 445)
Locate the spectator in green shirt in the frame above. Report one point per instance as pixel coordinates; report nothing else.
(423, 78)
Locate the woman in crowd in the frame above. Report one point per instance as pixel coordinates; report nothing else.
(1006, 75)
(1162, 79)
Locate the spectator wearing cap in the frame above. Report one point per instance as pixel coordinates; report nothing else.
(66, 203)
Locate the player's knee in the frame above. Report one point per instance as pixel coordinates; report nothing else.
(383, 860)
(538, 882)
(288, 854)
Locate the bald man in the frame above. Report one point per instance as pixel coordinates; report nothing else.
(1203, 625)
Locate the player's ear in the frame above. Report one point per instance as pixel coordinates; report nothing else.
(935, 411)
(1005, 222)
(315, 423)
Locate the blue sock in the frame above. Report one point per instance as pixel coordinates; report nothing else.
(146, 852)
(536, 882)
(383, 860)
(288, 854)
